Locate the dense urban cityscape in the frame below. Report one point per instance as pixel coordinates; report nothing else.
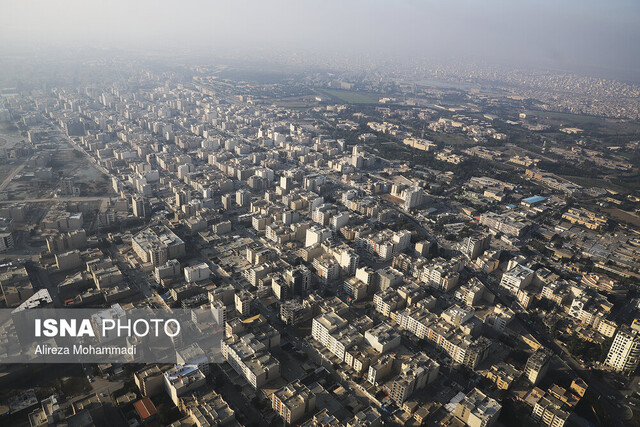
(348, 239)
(376, 249)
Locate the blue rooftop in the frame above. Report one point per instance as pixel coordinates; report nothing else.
(534, 199)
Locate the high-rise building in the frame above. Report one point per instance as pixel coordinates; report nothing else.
(243, 198)
(537, 366)
(227, 201)
(315, 235)
(186, 169)
(157, 244)
(219, 311)
(624, 353)
(339, 221)
(415, 374)
(349, 261)
(150, 380)
(519, 277)
(474, 246)
(140, 207)
(6, 241)
(250, 359)
(286, 182)
(413, 198)
(298, 280)
(549, 411)
(243, 302)
(182, 197)
(63, 242)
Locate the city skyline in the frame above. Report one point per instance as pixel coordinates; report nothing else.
(586, 37)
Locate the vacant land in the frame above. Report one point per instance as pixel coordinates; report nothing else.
(9, 135)
(624, 216)
(350, 97)
(600, 125)
(5, 170)
(585, 181)
(296, 102)
(449, 138)
(9, 128)
(568, 117)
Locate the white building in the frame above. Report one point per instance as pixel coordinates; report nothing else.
(243, 303)
(157, 244)
(196, 273)
(624, 353)
(243, 198)
(382, 338)
(251, 360)
(315, 235)
(183, 379)
(413, 198)
(219, 311)
(477, 409)
(517, 278)
(339, 221)
(324, 325)
(193, 355)
(349, 261)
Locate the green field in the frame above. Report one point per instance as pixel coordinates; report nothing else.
(349, 97)
(574, 118)
(449, 138)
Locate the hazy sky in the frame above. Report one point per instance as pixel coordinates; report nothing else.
(564, 34)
